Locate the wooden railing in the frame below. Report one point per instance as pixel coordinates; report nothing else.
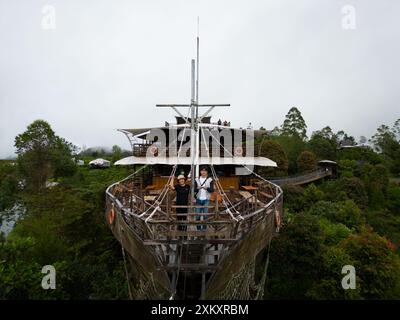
(156, 223)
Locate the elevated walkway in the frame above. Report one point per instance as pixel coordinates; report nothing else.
(304, 178)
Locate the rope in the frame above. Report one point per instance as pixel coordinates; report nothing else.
(164, 191)
(248, 169)
(221, 190)
(217, 183)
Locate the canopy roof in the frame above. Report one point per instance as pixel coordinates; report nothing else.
(257, 161)
(327, 161)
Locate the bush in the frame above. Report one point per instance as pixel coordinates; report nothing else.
(329, 286)
(345, 212)
(295, 259)
(385, 224)
(293, 198)
(347, 168)
(376, 264)
(393, 199)
(354, 189)
(311, 195)
(332, 232)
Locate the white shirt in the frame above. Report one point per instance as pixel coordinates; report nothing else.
(203, 193)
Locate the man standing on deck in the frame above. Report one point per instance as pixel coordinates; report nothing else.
(182, 198)
(204, 186)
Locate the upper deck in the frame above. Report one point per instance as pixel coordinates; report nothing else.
(150, 210)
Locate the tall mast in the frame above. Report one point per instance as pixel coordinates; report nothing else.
(197, 69)
(197, 97)
(195, 118)
(193, 131)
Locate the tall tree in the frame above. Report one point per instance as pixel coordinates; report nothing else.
(34, 149)
(324, 143)
(63, 164)
(387, 141)
(116, 153)
(343, 139)
(294, 124)
(41, 153)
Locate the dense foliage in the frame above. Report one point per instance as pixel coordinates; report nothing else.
(350, 219)
(62, 225)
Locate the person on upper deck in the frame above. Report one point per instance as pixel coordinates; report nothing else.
(204, 186)
(182, 198)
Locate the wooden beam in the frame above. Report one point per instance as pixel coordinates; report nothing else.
(188, 105)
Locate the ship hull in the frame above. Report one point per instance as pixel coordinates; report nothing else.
(239, 274)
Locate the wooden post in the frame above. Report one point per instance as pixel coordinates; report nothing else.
(216, 205)
(168, 205)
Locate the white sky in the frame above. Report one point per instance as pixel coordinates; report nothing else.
(107, 63)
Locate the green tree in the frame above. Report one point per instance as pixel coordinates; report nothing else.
(387, 141)
(324, 144)
(292, 146)
(306, 162)
(8, 185)
(311, 195)
(393, 199)
(274, 151)
(343, 139)
(345, 212)
(376, 181)
(34, 149)
(294, 124)
(333, 232)
(41, 154)
(329, 285)
(63, 163)
(116, 153)
(376, 264)
(354, 189)
(386, 224)
(295, 260)
(347, 168)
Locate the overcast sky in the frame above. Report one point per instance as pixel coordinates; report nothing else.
(107, 63)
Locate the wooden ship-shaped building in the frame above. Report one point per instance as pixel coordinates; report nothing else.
(168, 256)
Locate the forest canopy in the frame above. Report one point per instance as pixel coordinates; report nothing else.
(351, 219)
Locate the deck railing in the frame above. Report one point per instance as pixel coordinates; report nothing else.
(225, 221)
